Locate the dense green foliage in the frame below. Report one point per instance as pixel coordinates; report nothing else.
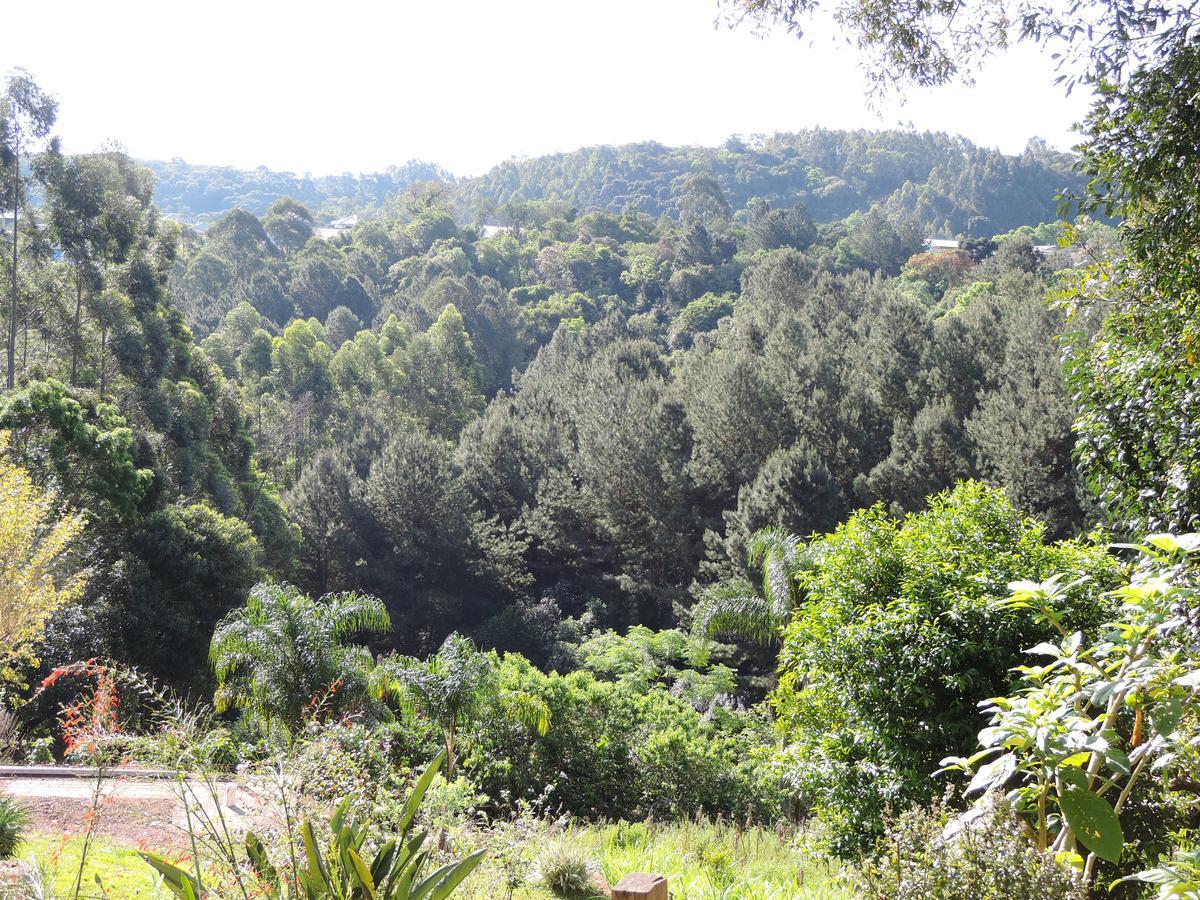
(636, 746)
(990, 858)
(577, 422)
(1138, 381)
(1097, 743)
(897, 640)
(641, 426)
(947, 184)
(198, 194)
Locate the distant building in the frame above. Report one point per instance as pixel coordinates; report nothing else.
(336, 227)
(941, 245)
(492, 230)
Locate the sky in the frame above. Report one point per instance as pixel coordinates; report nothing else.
(357, 85)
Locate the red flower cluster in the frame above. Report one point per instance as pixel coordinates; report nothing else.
(323, 700)
(93, 715)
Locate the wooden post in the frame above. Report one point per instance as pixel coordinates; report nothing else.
(641, 886)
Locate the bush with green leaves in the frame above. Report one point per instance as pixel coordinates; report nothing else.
(1101, 722)
(989, 858)
(456, 689)
(620, 749)
(670, 658)
(346, 759)
(13, 821)
(897, 637)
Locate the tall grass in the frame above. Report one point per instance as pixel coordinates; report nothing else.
(703, 860)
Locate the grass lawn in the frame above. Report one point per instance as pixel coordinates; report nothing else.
(700, 862)
(120, 869)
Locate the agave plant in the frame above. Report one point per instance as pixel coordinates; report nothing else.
(341, 872)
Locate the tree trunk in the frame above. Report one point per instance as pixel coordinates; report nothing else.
(78, 337)
(450, 753)
(12, 300)
(103, 359)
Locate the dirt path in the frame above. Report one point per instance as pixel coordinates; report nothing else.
(138, 812)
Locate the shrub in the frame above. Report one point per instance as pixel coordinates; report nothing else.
(899, 635)
(13, 821)
(566, 870)
(625, 750)
(986, 858)
(1100, 735)
(345, 759)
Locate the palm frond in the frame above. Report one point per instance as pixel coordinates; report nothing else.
(528, 709)
(777, 552)
(351, 613)
(733, 607)
(281, 650)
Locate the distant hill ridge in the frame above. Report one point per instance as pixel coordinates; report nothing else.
(948, 183)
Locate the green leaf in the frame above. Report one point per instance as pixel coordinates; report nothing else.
(316, 865)
(1118, 760)
(1094, 823)
(1169, 543)
(1074, 777)
(1164, 717)
(180, 882)
(385, 858)
(259, 859)
(1045, 648)
(418, 793)
(1164, 542)
(456, 876)
(1076, 760)
(994, 774)
(1069, 858)
(361, 874)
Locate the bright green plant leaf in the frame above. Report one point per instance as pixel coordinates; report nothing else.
(1094, 823)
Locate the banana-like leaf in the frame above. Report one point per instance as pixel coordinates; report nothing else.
(385, 858)
(418, 793)
(455, 877)
(339, 815)
(316, 864)
(405, 878)
(364, 883)
(429, 886)
(180, 882)
(259, 859)
(406, 868)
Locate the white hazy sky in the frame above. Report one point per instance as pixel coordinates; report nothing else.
(356, 85)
